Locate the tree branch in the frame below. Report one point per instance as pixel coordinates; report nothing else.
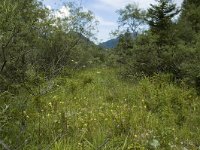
(6, 45)
(6, 147)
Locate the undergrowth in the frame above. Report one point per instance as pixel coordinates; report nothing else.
(94, 109)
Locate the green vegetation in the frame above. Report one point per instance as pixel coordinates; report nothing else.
(59, 90)
(95, 109)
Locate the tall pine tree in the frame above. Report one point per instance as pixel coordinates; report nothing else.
(159, 18)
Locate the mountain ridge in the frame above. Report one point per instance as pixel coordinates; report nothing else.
(112, 43)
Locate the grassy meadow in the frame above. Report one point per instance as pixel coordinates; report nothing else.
(95, 109)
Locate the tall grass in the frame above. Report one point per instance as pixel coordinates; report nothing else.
(94, 109)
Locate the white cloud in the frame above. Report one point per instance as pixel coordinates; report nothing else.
(107, 23)
(114, 4)
(62, 12)
(105, 12)
(117, 4)
(104, 22)
(49, 7)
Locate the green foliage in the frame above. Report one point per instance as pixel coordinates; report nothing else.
(144, 58)
(53, 95)
(189, 25)
(159, 18)
(131, 18)
(169, 46)
(190, 14)
(32, 39)
(19, 25)
(105, 112)
(79, 21)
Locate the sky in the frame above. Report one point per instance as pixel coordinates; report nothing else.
(104, 11)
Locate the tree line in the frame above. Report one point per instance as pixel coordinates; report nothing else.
(34, 42)
(163, 39)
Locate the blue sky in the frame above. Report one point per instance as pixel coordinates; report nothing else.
(105, 12)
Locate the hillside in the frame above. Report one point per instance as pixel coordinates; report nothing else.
(114, 42)
(110, 43)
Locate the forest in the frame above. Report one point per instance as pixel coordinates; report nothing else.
(60, 90)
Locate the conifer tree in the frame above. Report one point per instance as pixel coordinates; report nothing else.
(159, 18)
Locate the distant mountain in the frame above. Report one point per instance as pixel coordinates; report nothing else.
(110, 43)
(113, 42)
(80, 38)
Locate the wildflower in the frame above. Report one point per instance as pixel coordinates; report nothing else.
(135, 136)
(55, 97)
(79, 144)
(130, 146)
(50, 104)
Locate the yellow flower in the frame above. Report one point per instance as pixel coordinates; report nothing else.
(55, 97)
(79, 144)
(135, 136)
(50, 104)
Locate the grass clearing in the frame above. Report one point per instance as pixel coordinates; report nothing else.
(94, 109)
